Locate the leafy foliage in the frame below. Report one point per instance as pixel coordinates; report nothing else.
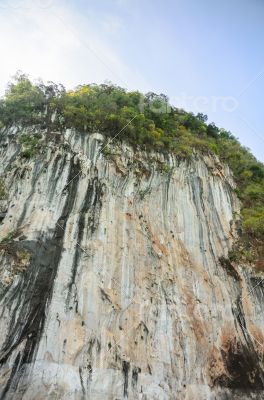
(30, 145)
(3, 194)
(147, 121)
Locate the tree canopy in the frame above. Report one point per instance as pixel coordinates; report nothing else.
(149, 121)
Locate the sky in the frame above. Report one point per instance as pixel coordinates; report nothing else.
(207, 56)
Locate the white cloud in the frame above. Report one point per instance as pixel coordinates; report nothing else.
(51, 41)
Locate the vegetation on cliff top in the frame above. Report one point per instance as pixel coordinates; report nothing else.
(149, 121)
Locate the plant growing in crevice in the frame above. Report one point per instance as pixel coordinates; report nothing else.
(9, 237)
(30, 145)
(107, 152)
(164, 168)
(3, 192)
(110, 110)
(17, 260)
(143, 193)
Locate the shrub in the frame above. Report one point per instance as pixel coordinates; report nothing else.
(142, 120)
(3, 194)
(253, 221)
(30, 145)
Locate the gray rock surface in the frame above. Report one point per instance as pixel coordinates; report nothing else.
(114, 278)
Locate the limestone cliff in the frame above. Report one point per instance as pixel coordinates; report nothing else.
(114, 276)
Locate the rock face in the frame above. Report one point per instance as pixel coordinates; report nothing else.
(114, 277)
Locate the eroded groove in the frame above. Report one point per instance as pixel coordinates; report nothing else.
(28, 316)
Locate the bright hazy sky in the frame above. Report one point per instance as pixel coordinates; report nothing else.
(206, 55)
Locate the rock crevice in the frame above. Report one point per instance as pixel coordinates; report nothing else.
(124, 289)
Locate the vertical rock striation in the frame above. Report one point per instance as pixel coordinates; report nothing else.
(115, 281)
